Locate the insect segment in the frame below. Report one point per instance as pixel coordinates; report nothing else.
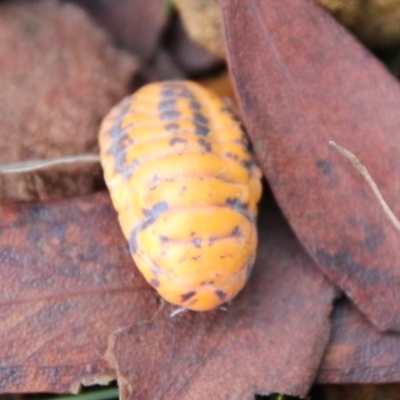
(186, 189)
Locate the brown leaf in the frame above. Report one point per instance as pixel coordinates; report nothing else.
(136, 25)
(358, 352)
(269, 340)
(302, 81)
(59, 76)
(68, 281)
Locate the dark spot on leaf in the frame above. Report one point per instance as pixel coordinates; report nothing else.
(324, 166)
(374, 238)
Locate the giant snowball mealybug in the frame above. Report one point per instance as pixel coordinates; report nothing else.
(186, 188)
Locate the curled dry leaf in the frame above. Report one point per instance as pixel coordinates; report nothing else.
(59, 75)
(69, 284)
(297, 95)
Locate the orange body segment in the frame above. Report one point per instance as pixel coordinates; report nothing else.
(186, 189)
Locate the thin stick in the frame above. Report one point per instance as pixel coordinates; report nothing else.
(364, 172)
(33, 165)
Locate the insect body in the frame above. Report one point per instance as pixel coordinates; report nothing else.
(186, 190)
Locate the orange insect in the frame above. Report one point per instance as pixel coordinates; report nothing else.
(186, 189)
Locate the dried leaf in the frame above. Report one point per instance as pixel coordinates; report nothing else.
(136, 25)
(68, 281)
(59, 76)
(269, 340)
(303, 81)
(358, 352)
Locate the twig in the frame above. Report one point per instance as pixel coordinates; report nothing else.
(33, 165)
(364, 172)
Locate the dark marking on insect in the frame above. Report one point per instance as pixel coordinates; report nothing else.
(192, 233)
(151, 217)
(183, 190)
(176, 90)
(206, 145)
(187, 296)
(195, 258)
(172, 126)
(249, 165)
(155, 271)
(155, 283)
(236, 231)
(176, 140)
(197, 242)
(202, 130)
(231, 155)
(156, 210)
(164, 239)
(195, 105)
(221, 294)
(167, 105)
(211, 240)
(199, 118)
(131, 167)
(118, 144)
(169, 115)
(241, 207)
